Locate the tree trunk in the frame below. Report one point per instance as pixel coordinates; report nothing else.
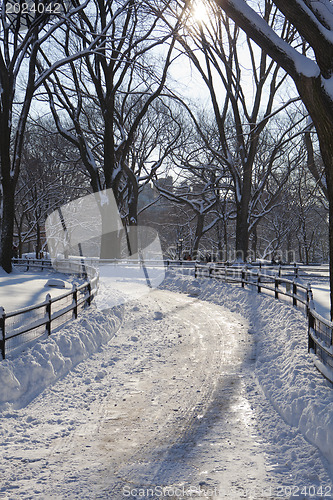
(300, 254)
(219, 234)
(307, 260)
(38, 242)
(289, 251)
(254, 242)
(112, 233)
(134, 244)
(109, 154)
(7, 226)
(226, 239)
(7, 181)
(110, 246)
(198, 234)
(242, 224)
(242, 232)
(19, 249)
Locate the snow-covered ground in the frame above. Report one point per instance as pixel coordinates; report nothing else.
(22, 289)
(198, 389)
(321, 296)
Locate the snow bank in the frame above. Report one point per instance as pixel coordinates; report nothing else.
(28, 374)
(283, 367)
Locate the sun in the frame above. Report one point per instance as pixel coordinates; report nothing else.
(199, 11)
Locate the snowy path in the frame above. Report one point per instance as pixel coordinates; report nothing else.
(170, 401)
(193, 380)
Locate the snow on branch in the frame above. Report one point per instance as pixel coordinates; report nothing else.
(293, 62)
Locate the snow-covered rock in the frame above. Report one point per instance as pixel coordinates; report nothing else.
(57, 283)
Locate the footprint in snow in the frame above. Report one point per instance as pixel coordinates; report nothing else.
(158, 315)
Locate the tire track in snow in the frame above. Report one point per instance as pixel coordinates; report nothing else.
(174, 456)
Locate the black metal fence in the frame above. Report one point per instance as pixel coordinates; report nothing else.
(320, 330)
(30, 323)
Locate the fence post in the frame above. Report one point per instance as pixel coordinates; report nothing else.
(311, 343)
(48, 314)
(89, 293)
(3, 332)
(75, 301)
(210, 271)
(243, 278)
(309, 298)
(280, 271)
(294, 293)
(276, 288)
(258, 282)
(195, 270)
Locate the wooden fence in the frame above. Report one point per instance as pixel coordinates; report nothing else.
(25, 325)
(320, 330)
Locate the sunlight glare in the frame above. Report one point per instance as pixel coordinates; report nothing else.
(200, 12)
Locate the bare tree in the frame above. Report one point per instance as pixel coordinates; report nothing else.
(121, 80)
(50, 176)
(241, 116)
(298, 227)
(308, 61)
(22, 37)
(198, 182)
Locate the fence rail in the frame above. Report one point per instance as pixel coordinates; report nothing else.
(30, 323)
(33, 263)
(320, 330)
(135, 262)
(70, 266)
